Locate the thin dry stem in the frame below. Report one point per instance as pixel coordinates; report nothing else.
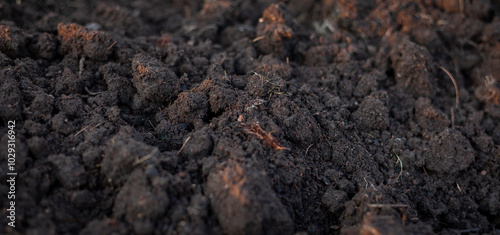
(83, 129)
(454, 83)
(184, 144)
(386, 205)
(401, 165)
(258, 38)
(145, 158)
(307, 150)
(452, 118)
(111, 46)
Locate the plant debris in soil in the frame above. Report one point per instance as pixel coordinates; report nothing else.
(251, 117)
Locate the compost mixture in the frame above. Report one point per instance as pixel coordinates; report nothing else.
(250, 117)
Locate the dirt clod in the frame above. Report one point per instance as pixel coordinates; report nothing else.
(449, 152)
(11, 97)
(429, 117)
(119, 157)
(413, 68)
(275, 31)
(69, 171)
(12, 41)
(245, 203)
(197, 145)
(153, 80)
(139, 202)
(334, 199)
(372, 114)
(78, 41)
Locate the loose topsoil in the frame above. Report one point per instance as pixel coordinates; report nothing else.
(251, 117)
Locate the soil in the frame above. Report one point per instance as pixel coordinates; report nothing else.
(251, 117)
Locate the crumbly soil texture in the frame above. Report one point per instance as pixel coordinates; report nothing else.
(251, 117)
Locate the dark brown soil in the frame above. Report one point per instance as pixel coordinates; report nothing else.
(251, 117)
